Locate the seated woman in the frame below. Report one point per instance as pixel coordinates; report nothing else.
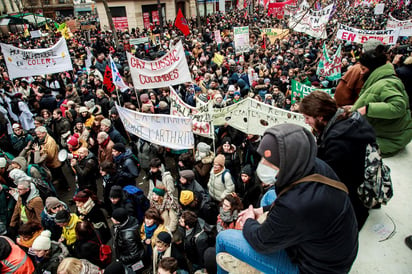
(48, 253)
(89, 209)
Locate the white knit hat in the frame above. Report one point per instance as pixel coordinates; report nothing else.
(42, 242)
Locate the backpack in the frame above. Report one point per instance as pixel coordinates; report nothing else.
(223, 176)
(377, 185)
(138, 199)
(105, 253)
(44, 172)
(45, 190)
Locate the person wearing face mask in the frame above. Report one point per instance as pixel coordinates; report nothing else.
(203, 163)
(311, 227)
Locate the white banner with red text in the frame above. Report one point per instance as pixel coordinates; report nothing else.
(164, 130)
(405, 27)
(169, 70)
(30, 62)
(387, 37)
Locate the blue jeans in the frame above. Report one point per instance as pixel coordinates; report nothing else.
(233, 242)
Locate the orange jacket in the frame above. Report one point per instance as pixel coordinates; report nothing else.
(17, 262)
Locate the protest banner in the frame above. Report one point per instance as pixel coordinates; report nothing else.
(171, 69)
(35, 33)
(387, 37)
(274, 33)
(277, 9)
(116, 77)
(405, 27)
(379, 8)
(241, 39)
(138, 41)
(301, 90)
(218, 37)
(201, 116)
(164, 130)
(330, 67)
(311, 22)
(30, 62)
(253, 117)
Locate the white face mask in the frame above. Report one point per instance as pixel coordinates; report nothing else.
(266, 174)
(200, 155)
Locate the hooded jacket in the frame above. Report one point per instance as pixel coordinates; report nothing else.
(33, 207)
(388, 109)
(58, 252)
(313, 222)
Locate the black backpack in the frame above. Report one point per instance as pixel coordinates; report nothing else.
(140, 202)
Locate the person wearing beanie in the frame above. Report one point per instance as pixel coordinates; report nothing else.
(89, 209)
(127, 169)
(186, 197)
(248, 188)
(13, 259)
(81, 131)
(167, 206)
(232, 159)
(19, 139)
(73, 144)
(29, 205)
(203, 163)
(165, 249)
(127, 243)
(48, 215)
(86, 116)
(289, 154)
(115, 136)
(48, 254)
(187, 181)
(33, 170)
(67, 221)
(118, 199)
(384, 102)
(220, 181)
(351, 83)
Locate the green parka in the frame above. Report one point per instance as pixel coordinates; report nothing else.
(387, 109)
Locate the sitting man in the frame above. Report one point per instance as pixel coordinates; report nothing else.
(311, 227)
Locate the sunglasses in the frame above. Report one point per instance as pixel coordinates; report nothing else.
(56, 207)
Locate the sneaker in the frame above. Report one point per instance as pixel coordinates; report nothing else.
(408, 241)
(234, 265)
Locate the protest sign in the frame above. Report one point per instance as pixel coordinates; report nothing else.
(274, 33)
(277, 9)
(405, 27)
(311, 22)
(169, 70)
(29, 62)
(218, 37)
(35, 33)
(241, 39)
(379, 8)
(387, 37)
(301, 90)
(201, 116)
(164, 130)
(137, 41)
(330, 68)
(253, 117)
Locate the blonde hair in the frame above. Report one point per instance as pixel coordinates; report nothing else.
(70, 265)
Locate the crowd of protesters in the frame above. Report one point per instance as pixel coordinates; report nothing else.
(191, 195)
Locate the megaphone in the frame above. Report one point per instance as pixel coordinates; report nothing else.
(65, 155)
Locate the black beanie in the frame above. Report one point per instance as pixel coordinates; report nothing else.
(62, 217)
(5, 248)
(120, 214)
(164, 237)
(247, 169)
(116, 192)
(269, 149)
(119, 147)
(374, 58)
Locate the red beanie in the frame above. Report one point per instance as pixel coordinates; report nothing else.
(73, 140)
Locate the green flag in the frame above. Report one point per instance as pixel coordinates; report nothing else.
(330, 68)
(301, 90)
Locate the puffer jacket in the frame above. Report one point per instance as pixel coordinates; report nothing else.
(217, 189)
(58, 252)
(388, 109)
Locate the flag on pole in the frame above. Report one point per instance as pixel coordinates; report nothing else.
(108, 80)
(26, 31)
(116, 77)
(181, 23)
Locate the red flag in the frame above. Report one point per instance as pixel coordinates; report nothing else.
(245, 14)
(108, 80)
(181, 23)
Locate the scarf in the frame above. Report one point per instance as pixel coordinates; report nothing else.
(86, 207)
(105, 142)
(227, 216)
(149, 230)
(167, 204)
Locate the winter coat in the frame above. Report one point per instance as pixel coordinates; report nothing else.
(250, 193)
(313, 222)
(166, 180)
(196, 243)
(48, 223)
(342, 146)
(349, 87)
(7, 204)
(105, 152)
(126, 167)
(96, 217)
(69, 232)
(50, 264)
(88, 249)
(115, 136)
(33, 208)
(49, 151)
(405, 73)
(87, 170)
(217, 189)
(127, 242)
(61, 130)
(20, 142)
(388, 109)
(232, 160)
(153, 239)
(202, 169)
(17, 261)
(171, 251)
(147, 151)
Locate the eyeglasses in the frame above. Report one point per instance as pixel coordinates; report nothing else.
(56, 207)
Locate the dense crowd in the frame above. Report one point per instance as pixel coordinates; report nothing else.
(61, 133)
